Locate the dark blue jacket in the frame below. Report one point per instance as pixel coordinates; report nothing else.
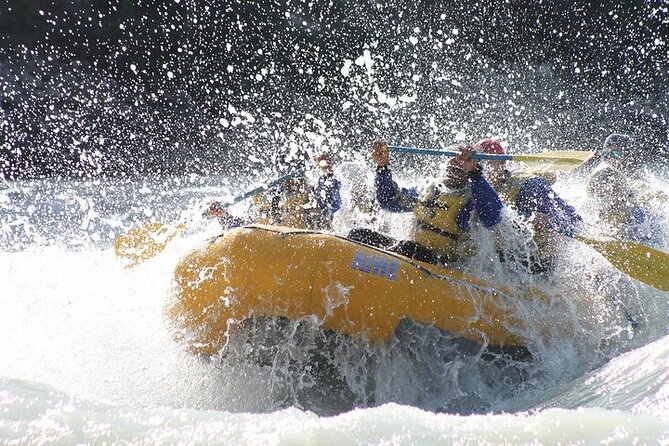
(485, 201)
(327, 194)
(634, 229)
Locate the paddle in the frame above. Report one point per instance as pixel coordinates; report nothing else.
(140, 244)
(559, 160)
(641, 262)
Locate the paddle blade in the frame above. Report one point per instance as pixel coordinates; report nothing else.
(556, 160)
(140, 244)
(641, 262)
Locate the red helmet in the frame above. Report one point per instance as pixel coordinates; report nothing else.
(490, 145)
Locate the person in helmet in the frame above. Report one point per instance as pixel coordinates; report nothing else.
(534, 199)
(618, 150)
(617, 207)
(443, 211)
(615, 192)
(326, 193)
(294, 202)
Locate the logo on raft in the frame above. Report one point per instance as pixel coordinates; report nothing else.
(375, 264)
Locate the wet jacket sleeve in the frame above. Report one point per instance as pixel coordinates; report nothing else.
(637, 218)
(390, 196)
(327, 193)
(537, 195)
(641, 227)
(485, 202)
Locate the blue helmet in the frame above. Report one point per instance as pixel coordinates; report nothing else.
(618, 145)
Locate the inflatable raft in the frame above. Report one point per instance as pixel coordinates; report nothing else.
(351, 288)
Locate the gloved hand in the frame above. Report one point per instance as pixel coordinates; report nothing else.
(216, 210)
(380, 153)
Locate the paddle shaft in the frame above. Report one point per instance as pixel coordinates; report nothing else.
(266, 186)
(140, 244)
(451, 153)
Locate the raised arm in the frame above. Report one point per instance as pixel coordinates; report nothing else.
(227, 221)
(484, 202)
(389, 195)
(487, 203)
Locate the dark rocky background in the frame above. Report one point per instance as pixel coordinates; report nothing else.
(106, 88)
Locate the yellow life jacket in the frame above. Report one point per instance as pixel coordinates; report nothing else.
(647, 195)
(436, 226)
(290, 206)
(262, 203)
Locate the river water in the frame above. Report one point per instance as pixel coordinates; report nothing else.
(87, 358)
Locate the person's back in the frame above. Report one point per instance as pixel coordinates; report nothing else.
(617, 207)
(616, 185)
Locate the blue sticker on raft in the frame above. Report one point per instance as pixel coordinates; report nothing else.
(375, 264)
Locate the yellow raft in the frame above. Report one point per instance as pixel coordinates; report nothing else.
(351, 288)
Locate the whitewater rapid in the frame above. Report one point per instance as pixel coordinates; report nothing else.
(86, 357)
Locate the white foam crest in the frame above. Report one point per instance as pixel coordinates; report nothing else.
(42, 415)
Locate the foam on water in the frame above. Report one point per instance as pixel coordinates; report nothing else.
(42, 415)
(87, 356)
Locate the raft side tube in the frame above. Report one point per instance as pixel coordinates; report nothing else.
(350, 287)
